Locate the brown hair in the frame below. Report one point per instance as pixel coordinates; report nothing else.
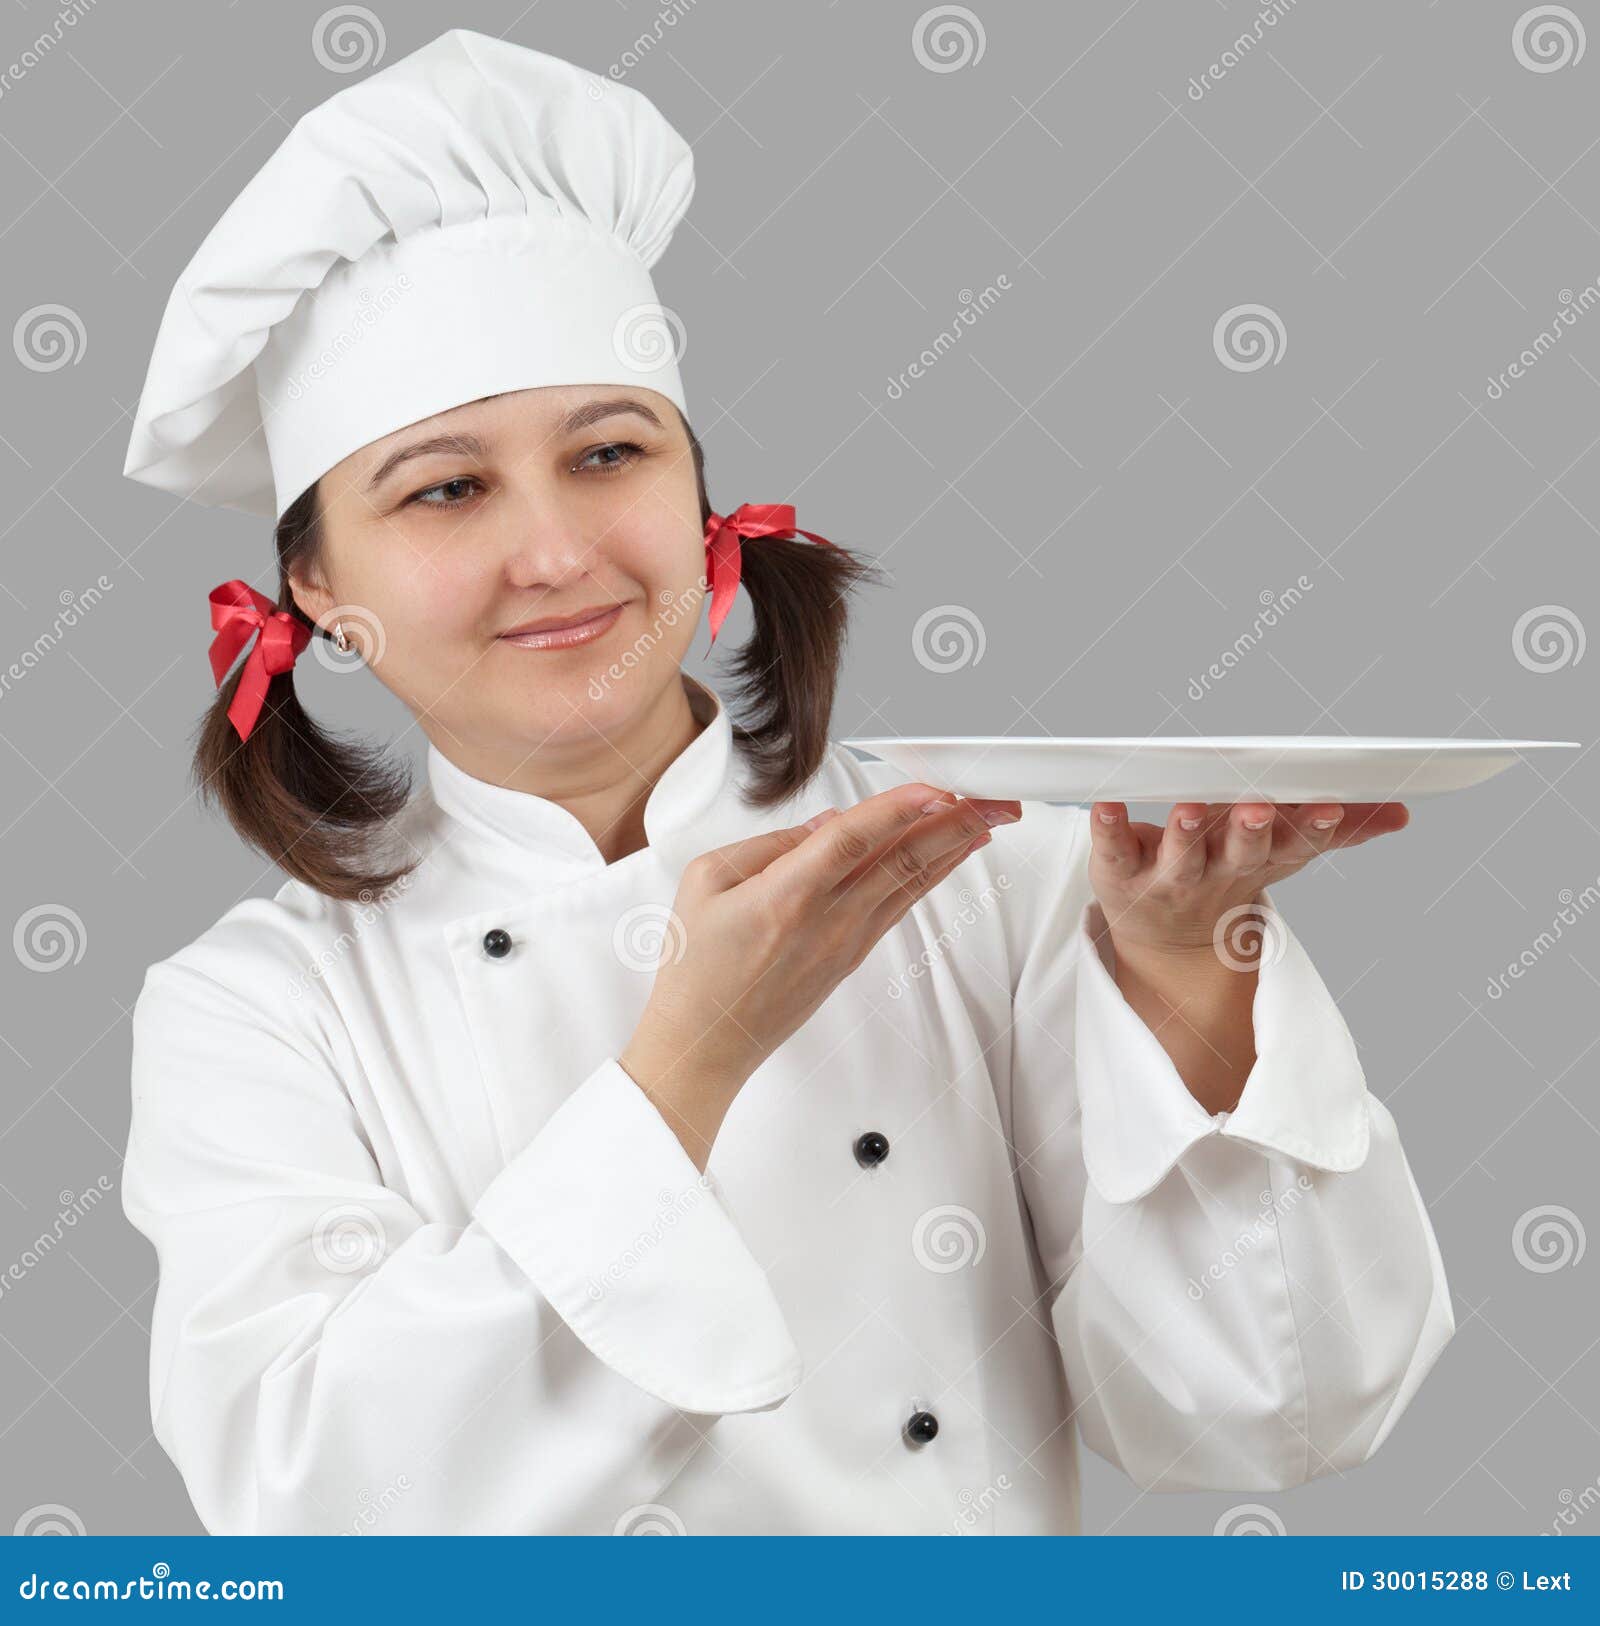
(319, 805)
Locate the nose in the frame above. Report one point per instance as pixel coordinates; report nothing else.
(543, 546)
(544, 566)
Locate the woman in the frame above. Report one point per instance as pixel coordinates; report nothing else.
(653, 1123)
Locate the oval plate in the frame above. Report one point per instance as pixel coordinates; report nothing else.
(1226, 768)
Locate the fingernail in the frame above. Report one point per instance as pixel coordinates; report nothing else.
(1189, 824)
(942, 800)
(1326, 824)
(819, 818)
(1000, 815)
(1258, 824)
(1108, 818)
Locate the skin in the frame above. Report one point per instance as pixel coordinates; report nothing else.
(455, 547)
(546, 502)
(1163, 891)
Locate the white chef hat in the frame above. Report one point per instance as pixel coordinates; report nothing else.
(476, 218)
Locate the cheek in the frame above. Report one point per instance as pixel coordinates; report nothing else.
(665, 565)
(424, 599)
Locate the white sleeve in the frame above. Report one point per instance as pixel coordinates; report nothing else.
(1242, 1300)
(320, 1351)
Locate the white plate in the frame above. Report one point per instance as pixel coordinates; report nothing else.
(1240, 767)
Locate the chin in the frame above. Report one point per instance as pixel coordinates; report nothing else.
(573, 708)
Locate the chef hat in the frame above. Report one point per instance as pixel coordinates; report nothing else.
(476, 218)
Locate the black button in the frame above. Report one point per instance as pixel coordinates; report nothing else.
(922, 1427)
(497, 943)
(871, 1149)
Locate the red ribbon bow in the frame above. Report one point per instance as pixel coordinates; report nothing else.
(238, 612)
(723, 548)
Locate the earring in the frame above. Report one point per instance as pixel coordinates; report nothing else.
(340, 641)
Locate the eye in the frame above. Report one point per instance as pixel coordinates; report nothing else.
(628, 452)
(447, 494)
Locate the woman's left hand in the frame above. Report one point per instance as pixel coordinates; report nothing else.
(1168, 889)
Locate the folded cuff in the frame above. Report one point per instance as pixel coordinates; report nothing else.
(1306, 1096)
(638, 1253)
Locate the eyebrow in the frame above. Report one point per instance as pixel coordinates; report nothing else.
(467, 445)
(460, 445)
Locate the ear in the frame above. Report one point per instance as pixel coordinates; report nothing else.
(310, 595)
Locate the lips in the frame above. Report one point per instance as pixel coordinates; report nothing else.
(564, 632)
(558, 623)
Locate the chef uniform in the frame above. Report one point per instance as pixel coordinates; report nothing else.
(431, 1262)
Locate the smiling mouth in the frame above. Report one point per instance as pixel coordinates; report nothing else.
(567, 634)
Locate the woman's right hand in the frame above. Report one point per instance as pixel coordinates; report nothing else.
(766, 928)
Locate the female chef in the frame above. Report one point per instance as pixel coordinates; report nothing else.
(657, 1123)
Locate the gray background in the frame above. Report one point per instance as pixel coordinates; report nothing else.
(1079, 475)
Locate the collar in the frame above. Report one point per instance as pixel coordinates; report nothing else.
(693, 806)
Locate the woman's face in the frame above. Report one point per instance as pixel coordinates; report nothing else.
(544, 505)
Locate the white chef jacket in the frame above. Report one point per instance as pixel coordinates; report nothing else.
(431, 1262)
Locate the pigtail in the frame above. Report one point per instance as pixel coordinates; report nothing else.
(785, 677)
(314, 803)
